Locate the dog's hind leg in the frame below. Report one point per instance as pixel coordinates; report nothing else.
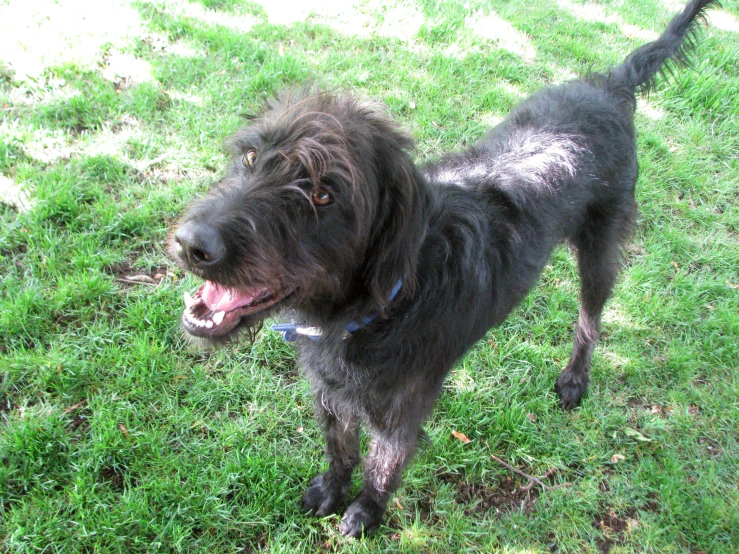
(598, 245)
(326, 491)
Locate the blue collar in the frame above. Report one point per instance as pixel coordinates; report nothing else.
(290, 331)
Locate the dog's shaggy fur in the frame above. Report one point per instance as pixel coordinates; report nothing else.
(323, 211)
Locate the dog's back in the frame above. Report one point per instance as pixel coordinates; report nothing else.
(584, 125)
(563, 166)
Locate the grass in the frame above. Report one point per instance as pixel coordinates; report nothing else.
(116, 437)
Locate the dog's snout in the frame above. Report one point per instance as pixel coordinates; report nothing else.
(199, 245)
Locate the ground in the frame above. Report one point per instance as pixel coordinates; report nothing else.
(115, 436)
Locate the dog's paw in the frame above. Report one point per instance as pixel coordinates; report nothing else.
(320, 500)
(362, 517)
(570, 387)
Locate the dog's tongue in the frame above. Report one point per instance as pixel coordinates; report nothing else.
(223, 299)
(216, 310)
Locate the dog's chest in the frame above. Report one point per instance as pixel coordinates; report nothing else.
(339, 373)
(325, 362)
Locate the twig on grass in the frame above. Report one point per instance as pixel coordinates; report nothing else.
(131, 281)
(75, 406)
(532, 480)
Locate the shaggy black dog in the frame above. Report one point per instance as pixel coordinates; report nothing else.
(392, 271)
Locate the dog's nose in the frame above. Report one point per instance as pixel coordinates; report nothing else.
(199, 244)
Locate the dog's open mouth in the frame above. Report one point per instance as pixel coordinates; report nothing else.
(215, 310)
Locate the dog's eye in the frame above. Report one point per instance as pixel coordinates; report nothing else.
(249, 158)
(321, 197)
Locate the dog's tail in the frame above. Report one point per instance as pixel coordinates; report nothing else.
(639, 71)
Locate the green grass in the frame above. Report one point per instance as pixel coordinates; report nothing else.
(116, 437)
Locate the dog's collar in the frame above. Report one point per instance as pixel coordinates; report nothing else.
(290, 331)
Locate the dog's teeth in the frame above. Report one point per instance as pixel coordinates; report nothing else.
(189, 300)
(209, 324)
(192, 320)
(218, 317)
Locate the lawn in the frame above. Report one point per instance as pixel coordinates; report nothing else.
(116, 436)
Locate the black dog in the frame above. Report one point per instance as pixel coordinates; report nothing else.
(393, 271)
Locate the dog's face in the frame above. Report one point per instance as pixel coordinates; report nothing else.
(297, 216)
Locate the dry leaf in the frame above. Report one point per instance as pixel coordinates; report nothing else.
(159, 276)
(398, 504)
(617, 458)
(123, 429)
(634, 434)
(732, 285)
(460, 436)
(531, 417)
(299, 429)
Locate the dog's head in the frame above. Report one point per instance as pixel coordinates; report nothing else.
(321, 207)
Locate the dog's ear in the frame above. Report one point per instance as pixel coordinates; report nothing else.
(401, 219)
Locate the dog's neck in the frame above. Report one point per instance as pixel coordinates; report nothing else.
(291, 331)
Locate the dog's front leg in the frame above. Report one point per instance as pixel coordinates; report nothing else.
(326, 490)
(388, 455)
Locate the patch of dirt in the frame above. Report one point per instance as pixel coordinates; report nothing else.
(29, 343)
(426, 510)
(115, 478)
(129, 276)
(17, 252)
(79, 425)
(653, 505)
(79, 418)
(6, 405)
(506, 496)
(613, 527)
(712, 447)
(702, 379)
(637, 403)
(258, 544)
